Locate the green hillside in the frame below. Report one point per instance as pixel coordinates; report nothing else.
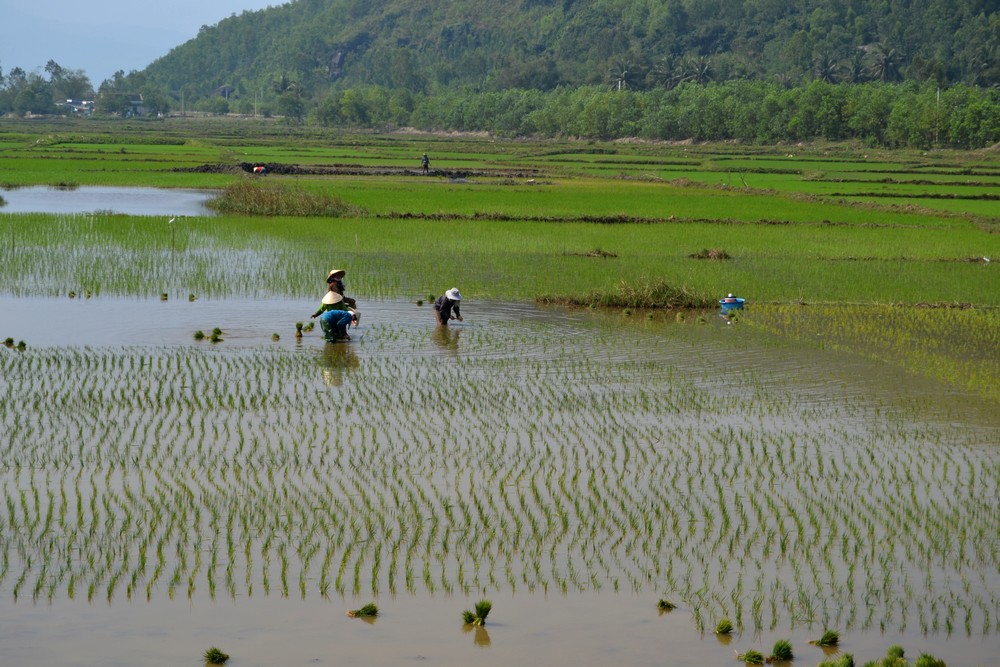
(426, 46)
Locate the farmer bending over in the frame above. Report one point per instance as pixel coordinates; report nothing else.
(446, 304)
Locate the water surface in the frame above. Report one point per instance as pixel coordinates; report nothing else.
(569, 467)
(94, 199)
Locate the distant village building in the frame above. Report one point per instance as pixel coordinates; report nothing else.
(81, 107)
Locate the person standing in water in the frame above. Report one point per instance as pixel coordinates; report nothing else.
(335, 282)
(447, 304)
(425, 163)
(334, 316)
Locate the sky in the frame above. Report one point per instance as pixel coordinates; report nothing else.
(101, 37)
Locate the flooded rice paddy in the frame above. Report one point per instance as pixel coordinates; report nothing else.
(162, 495)
(100, 199)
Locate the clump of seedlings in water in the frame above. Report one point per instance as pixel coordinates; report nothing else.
(298, 329)
(845, 660)
(192, 297)
(163, 296)
(309, 326)
(199, 335)
(751, 657)
(782, 651)
(370, 610)
(72, 295)
(724, 627)
(420, 302)
(478, 614)
(665, 605)
(680, 316)
(275, 337)
(9, 342)
(215, 656)
(21, 346)
(828, 638)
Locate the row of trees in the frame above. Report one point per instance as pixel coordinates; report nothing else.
(891, 115)
(23, 93)
(30, 92)
(879, 114)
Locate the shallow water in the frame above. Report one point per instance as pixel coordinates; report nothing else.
(93, 199)
(515, 403)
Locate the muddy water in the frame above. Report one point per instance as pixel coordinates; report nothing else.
(93, 199)
(843, 407)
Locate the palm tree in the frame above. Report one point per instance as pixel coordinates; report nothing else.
(885, 62)
(620, 76)
(826, 68)
(698, 69)
(854, 70)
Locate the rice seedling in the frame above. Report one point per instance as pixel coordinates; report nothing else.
(844, 660)
(215, 656)
(782, 651)
(828, 638)
(477, 615)
(751, 657)
(369, 610)
(724, 627)
(665, 605)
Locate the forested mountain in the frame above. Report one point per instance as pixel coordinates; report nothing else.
(920, 73)
(428, 46)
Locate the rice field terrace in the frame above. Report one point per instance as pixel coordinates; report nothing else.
(610, 484)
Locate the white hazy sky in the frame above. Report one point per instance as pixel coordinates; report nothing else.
(101, 37)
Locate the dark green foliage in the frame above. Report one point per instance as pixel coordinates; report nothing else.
(214, 656)
(419, 46)
(665, 605)
(927, 660)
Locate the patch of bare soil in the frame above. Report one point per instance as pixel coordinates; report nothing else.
(277, 168)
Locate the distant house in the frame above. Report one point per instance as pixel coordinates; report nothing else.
(136, 106)
(82, 107)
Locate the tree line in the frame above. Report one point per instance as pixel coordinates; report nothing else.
(877, 114)
(894, 115)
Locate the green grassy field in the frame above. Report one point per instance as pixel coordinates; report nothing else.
(512, 220)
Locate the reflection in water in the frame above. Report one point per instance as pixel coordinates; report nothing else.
(111, 199)
(446, 338)
(480, 636)
(338, 359)
(725, 640)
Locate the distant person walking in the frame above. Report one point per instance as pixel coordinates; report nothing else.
(425, 163)
(446, 305)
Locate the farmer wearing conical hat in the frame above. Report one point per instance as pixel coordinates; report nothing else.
(447, 304)
(335, 282)
(334, 316)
